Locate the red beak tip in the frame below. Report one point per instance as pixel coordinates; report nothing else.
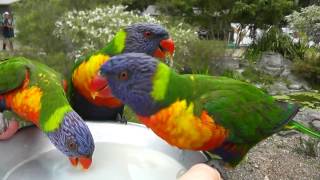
(168, 44)
(73, 161)
(85, 163)
(98, 82)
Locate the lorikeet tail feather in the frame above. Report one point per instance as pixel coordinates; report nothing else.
(301, 128)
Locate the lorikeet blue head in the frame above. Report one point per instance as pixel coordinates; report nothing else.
(130, 77)
(151, 39)
(73, 138)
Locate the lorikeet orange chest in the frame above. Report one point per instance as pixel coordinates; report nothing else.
(180, 127)
(25, 101)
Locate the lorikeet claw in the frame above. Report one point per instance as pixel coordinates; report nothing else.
(169, 59)
(121, 119)
(10, 128)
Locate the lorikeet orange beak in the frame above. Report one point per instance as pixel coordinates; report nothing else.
(166, 47)
(84, 161)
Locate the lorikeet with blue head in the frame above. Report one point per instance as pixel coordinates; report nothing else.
(89, 93)
(35, 93)
(220, 115)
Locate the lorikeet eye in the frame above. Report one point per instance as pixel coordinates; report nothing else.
(71, 145)
(147, 34)
(123, 75)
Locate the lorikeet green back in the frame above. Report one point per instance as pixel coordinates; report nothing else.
(224, 116)
(26, 88)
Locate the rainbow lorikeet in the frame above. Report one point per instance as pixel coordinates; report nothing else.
(220, 115)
(34, 92)
(89, 92)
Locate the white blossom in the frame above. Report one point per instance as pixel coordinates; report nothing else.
(92, 29)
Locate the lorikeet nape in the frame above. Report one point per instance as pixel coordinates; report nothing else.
(34, 92)
(220, 115)
(89, 93)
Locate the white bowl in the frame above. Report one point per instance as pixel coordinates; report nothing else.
(123, 152)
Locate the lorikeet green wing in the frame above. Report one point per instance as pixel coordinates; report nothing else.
(247, 120)
(12, 76)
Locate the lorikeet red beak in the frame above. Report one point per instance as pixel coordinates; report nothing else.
(166, 47)
(99, 87)
(84, 161)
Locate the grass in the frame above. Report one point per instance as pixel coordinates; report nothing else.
(306, 99)
(199, 56)
(255, 76)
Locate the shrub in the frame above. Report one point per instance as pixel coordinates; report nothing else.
(255, 76)
(102, 23)
(309, 66)
(57, 61)
(307, 20)
(201, 56)
(274, 40)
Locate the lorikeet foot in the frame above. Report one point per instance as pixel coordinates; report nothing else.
(219, 165)
(8, 129)
(120, 118)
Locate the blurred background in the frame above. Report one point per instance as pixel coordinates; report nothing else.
(273, 44)
(211, 36)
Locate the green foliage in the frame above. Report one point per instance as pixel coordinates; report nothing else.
(36, 26)
(56, 31)
(304, 3)
(306, 60)
(307, 20)
(201, 56)
(55, 60)
(209, 15)
(261, 12)
(216, 16)
(254, 76)
(306, 99)
(309, 66)
(35, 21)
(234, 75)
(274, 40)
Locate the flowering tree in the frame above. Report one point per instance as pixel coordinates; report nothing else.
(88, 30)
(308, 21)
